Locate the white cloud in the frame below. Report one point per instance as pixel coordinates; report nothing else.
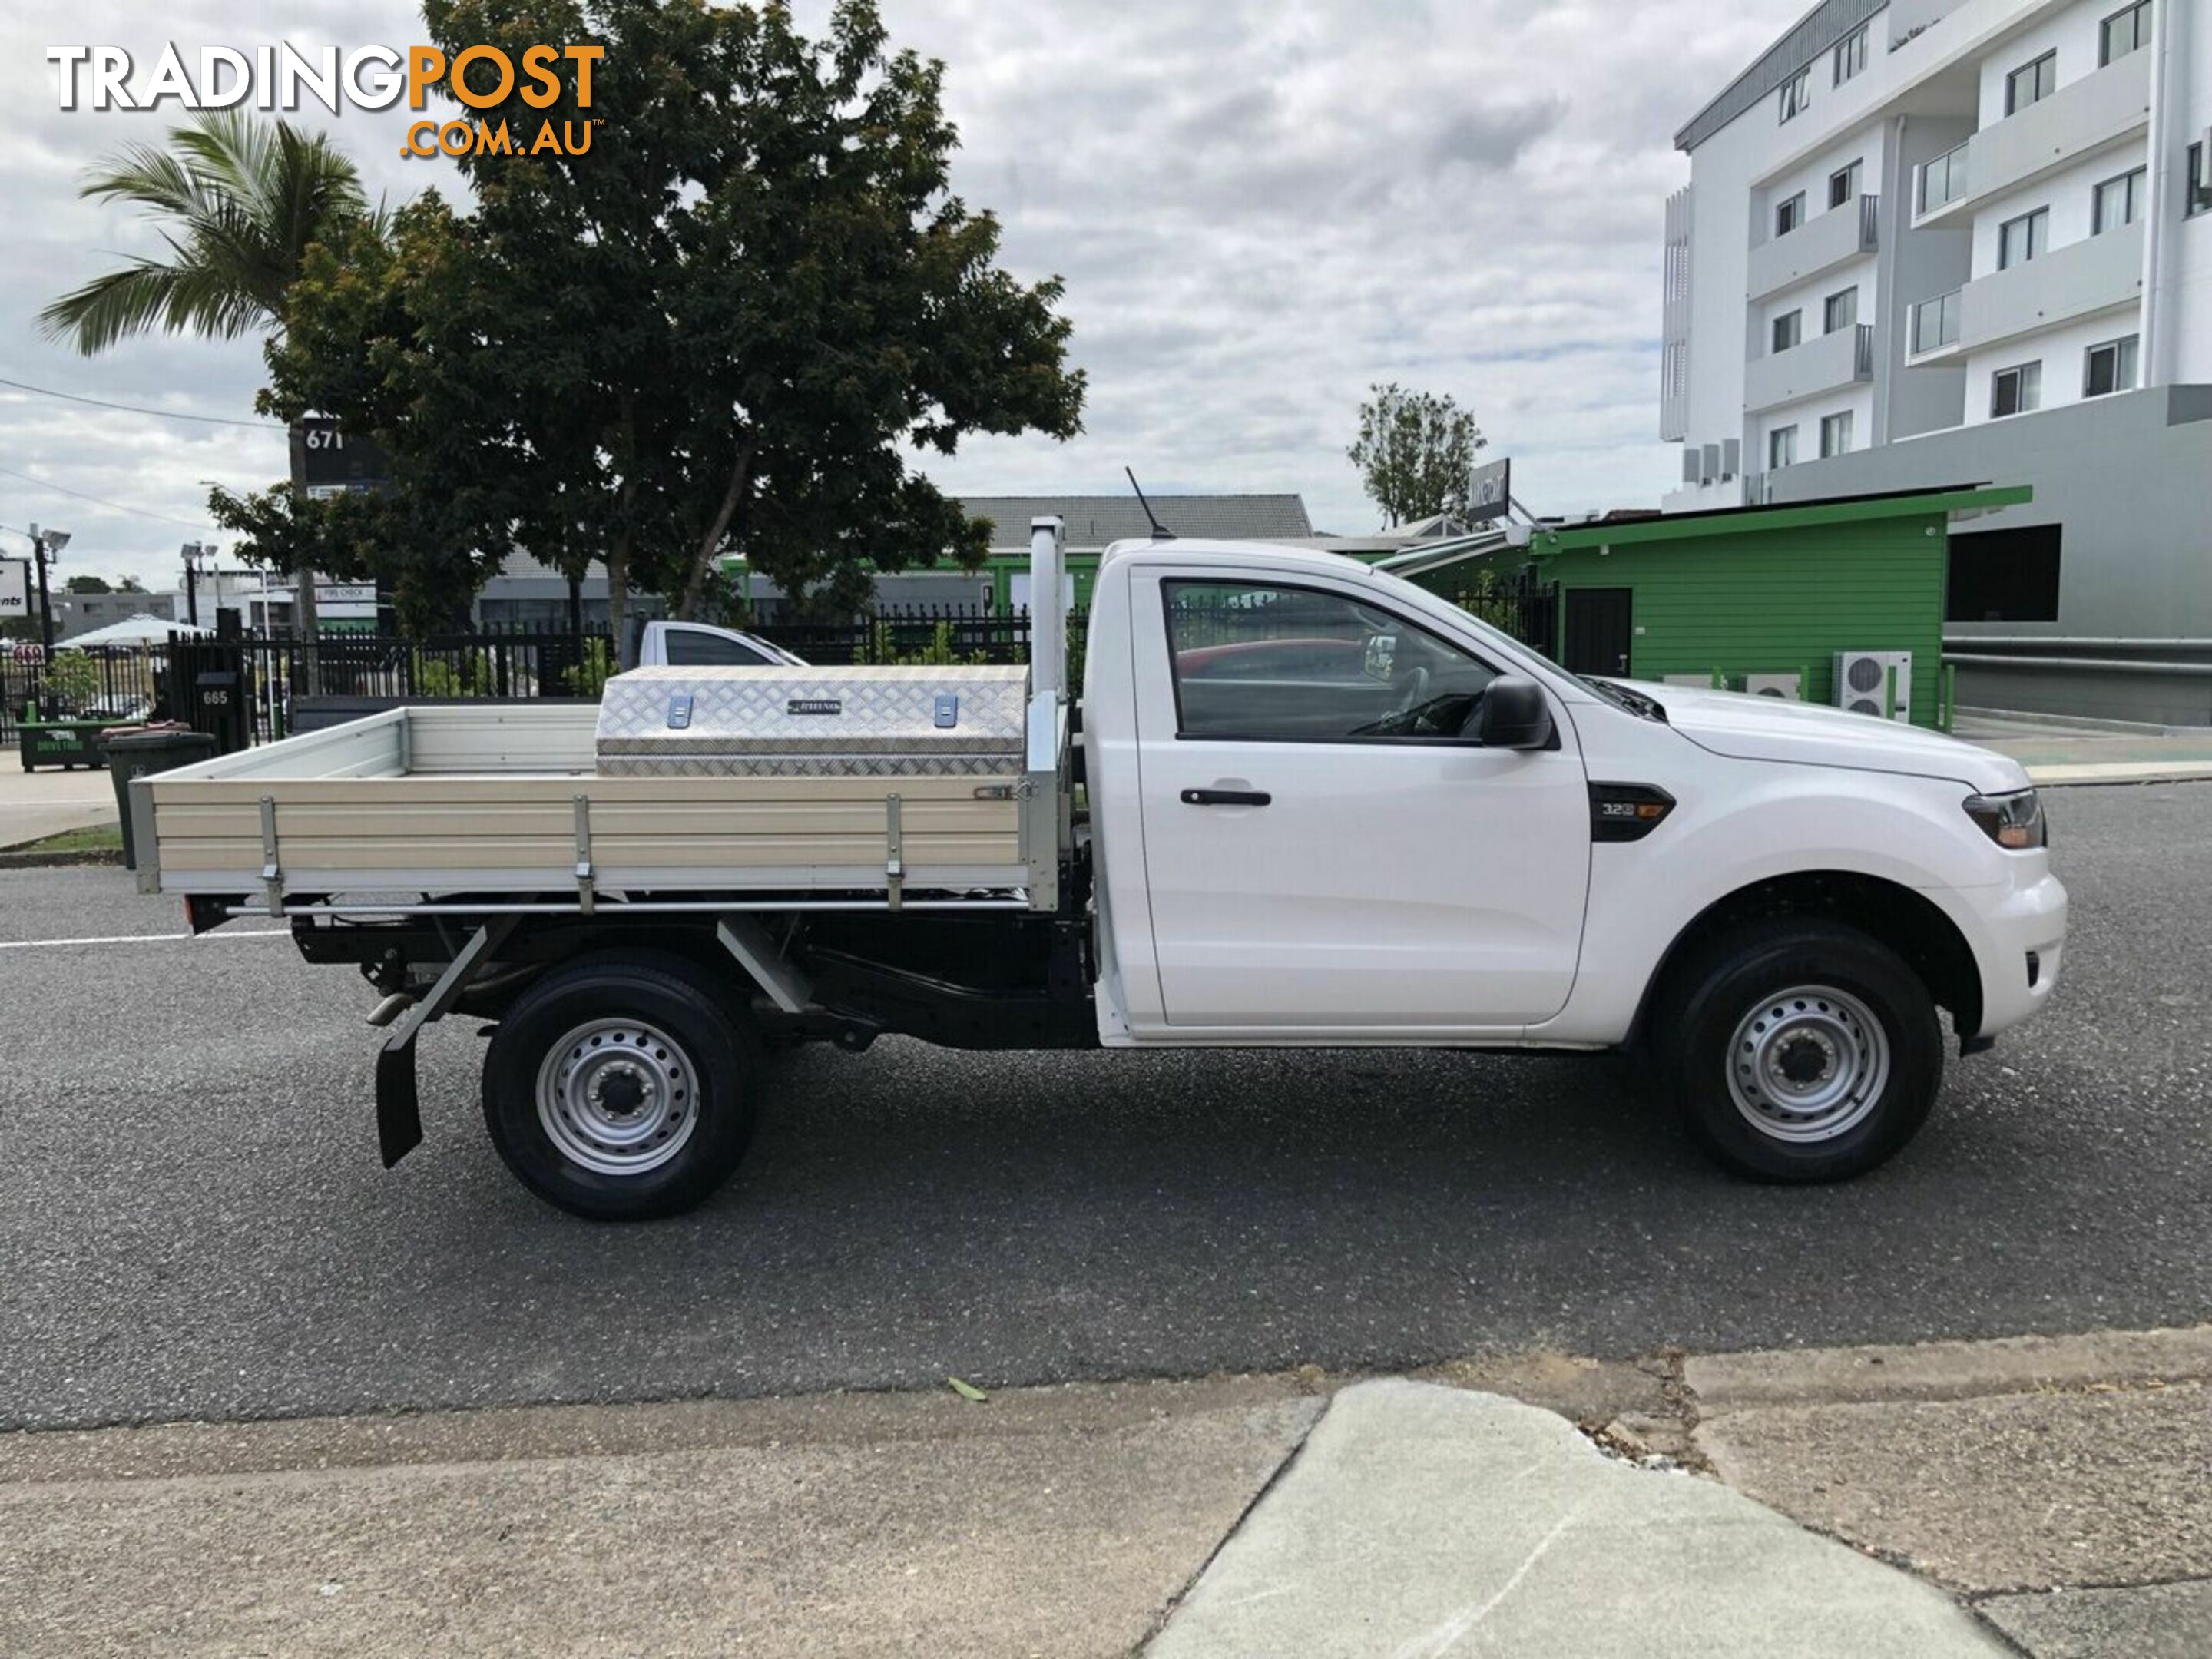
(1259, 206)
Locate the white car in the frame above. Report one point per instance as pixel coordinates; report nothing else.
(1324, 807)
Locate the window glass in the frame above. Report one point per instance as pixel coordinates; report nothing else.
(2021, 240)
(1788, 329)
(1836, 434)
(2124, 32)
(2110, 367)
(2016, 391)
(1796, 93)
(693, 647)
(2199, 187)
(1789, 214)
(1295, 664)
(1841, 310)
(1844, 184)
(2118, 202)
(1782, 447)
(2032, 82)
(1852, 54)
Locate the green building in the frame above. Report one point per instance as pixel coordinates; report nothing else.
(1746, 597)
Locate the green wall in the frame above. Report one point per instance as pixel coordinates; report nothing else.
(1772, 602)
(1761, 599)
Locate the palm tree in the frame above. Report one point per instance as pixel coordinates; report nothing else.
(240, 201)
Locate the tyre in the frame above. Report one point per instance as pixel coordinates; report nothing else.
(1802, 1050)
(621, 1088)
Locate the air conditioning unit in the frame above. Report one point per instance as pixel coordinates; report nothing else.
(1862, 682)
(1790, 686)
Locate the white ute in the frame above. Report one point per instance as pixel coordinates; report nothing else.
(1311, 805)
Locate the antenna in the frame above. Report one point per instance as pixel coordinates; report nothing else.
(1160, 531)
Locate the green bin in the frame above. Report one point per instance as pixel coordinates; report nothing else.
(135, 751)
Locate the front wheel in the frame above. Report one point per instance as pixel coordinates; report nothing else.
(621, 1088)
(1802, 1050)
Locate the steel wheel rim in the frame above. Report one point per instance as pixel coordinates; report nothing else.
(1807, 1064)
(618, 1097)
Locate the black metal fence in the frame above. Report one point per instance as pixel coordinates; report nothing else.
(118, 685)
(270, 670)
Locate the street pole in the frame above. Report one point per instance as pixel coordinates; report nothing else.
(45, 600)
(192, 583)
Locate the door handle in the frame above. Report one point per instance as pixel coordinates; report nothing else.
(1225, 797)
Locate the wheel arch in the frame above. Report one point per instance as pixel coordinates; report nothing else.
(1906, 922)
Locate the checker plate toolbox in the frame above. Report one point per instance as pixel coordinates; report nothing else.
(851, 722)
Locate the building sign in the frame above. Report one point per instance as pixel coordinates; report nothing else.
(337, 462)
(1490, 490)
(14, 588)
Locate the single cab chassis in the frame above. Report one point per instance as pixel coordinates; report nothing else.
(1387, 823)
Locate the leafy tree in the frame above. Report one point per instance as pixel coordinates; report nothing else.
(130, 585)
(717, 332)
(240, 201)
(86, 582)
(1415, 452)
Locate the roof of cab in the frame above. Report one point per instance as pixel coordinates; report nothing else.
(1189, 550)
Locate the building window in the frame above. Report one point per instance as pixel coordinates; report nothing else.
(2032, 83)
(2110, 367)
(2117, 202)
(1851, 53)
(2021, 240)
(1935, 323)
(1789, 214)
(1836, 434)
(2003, 575)
(1943, 180)
(2123, 32)
(2016, 391)
(2198, 184)
(1797, 93)
(1781, 447)
(1839, 310)
(1788, 329)
(1844, 184)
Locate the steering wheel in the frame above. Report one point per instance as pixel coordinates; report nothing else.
(1417, 691)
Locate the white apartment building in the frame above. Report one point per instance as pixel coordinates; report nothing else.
(1934, 242)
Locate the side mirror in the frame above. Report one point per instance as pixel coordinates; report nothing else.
(1514, 714)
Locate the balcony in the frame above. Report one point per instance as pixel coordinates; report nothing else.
(1806, 371)
(2081, 117)
(2095, 274)
(1822, 243)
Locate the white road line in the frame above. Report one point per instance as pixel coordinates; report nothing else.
(133, 938)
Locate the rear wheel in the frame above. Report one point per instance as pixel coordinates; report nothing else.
(621, 1088)
(1802, 1050)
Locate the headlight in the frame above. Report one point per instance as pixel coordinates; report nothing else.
(2014, 821)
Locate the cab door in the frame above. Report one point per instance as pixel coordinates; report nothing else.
(1327, 852)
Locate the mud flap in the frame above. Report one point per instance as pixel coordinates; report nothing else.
(399, 1108)
(399, 1105)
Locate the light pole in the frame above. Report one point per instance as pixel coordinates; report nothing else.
(194, 553)
(44, 544)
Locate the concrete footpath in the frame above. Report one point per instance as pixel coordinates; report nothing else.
(2046, 1496)
(36, 804)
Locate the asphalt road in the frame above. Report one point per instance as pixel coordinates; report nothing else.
(193, 1223)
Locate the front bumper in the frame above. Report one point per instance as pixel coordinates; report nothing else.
(2018, 940)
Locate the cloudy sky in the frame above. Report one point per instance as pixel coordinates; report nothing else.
(1259, 206)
